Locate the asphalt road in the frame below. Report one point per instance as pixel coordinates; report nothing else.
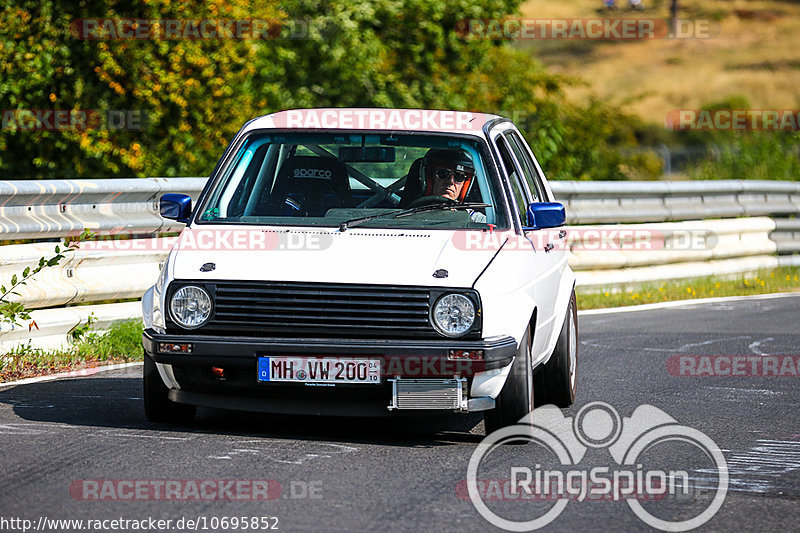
(346, 475)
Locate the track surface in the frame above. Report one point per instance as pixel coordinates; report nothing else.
(402, 476)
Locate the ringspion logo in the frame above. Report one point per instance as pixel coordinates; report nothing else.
(519, 495)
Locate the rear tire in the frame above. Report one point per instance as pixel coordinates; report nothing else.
(556, 382)
(516, 398)
(157, 405)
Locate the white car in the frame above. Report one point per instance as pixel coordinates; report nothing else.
(366, 262)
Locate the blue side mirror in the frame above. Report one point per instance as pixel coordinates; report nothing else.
(546, 215)
(176, 206)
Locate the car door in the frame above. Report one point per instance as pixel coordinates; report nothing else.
(544, 258)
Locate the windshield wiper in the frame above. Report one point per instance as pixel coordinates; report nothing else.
(410, 211)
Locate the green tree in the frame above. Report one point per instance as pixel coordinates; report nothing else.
(342, 53)
(191, 92)
(384, 53)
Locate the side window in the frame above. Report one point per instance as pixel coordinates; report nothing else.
(513, 178)
(528, 168)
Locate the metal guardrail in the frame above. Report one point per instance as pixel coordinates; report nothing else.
(86, 275)
(49, 210)
(661, 201)
(760, 221)
(56, 208)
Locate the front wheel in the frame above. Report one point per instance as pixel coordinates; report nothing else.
(516, 398)
(557, 381)
(157, 405)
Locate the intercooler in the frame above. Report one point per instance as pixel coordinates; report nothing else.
(429, 394)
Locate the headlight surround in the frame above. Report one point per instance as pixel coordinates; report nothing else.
(453, 315)
(190, 306)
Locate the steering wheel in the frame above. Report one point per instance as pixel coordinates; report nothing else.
(431, 200)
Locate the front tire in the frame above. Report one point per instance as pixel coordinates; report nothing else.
(557, 381)
(157, 405)
(516, 398)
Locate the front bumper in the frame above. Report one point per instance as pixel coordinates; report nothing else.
(195, 383)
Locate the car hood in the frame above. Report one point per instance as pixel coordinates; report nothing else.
(326, 255)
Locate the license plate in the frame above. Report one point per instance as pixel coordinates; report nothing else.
(319, 370)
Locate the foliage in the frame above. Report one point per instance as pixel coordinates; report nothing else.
(191, 92)
(12, 312)
(121, 343)
(751, 155)
(122, 340)
(763, 155)
(409, 54)
(80, 331)
(381, 53)
(196, 93)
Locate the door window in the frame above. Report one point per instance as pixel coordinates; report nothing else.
(528, 169)
(513, 172)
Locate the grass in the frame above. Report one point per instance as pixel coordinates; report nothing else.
(122, 343)
(753, 55)
(763, 282)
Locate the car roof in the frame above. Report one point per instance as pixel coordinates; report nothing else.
(375, 119)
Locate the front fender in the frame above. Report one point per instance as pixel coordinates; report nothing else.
(520, 281)
(562, 304)
(507, 302)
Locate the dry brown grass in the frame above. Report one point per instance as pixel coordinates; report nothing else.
(755, 55)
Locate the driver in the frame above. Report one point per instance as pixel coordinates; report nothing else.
(449, 173)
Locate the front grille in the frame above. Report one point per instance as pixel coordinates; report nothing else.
(316, 309)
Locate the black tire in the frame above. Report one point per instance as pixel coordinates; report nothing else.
(557, 381)
(157, 405)
(516, 398)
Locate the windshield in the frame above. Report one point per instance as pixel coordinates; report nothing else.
(329, 179)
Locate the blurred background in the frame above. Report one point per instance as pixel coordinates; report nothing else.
(591, 109)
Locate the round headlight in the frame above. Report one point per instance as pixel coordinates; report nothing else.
(453, 314)
(190, 306)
